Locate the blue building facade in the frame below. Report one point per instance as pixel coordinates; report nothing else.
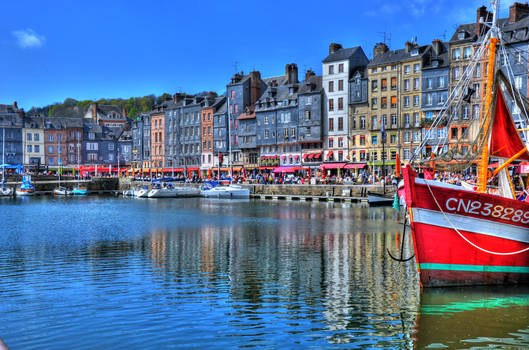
(11, 124)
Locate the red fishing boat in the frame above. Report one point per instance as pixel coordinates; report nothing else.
(475, 235)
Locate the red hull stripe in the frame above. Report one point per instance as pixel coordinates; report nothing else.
(477, 268)
(471, 224)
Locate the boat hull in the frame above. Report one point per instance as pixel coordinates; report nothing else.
(226, 192)
(462, 237)
(25, 193)
(6, 192)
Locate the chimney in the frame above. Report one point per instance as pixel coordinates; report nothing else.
(408, 46)
(482, 15)
(517, 11)
(291, 73)
(15, 105)
(436, 46)
(178, 97)
(333, 47)
(309, 73)
(94, 112)
(124, 112)
(255, 86)
(379, 49)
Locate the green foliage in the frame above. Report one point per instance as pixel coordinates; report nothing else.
(73, 108)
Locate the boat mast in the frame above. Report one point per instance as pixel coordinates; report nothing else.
(229, 139)
(3, 154)
(486, 111)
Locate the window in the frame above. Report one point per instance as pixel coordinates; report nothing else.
(340, 68)
(393, 120)
(384, 102)
(384, 84)
(29, 148)
(374, 139)
(441, 82)
(393, 138)
(331, 143)
(429, 99)
(406, 101)
(416, 84)
(340, 103)
(331, 104)
(36, 137)
(442, 98)
(331, 86)
(453, 133)
(475, 111)
(309, 100)
(518, 82)
(467, 52)
(307, 115)
(466, 112)
(406, 137)
(340, 156)
(266, 133)
(464, 130)
(393, 101)
(374, 102)
(456, 54)
(37, 148)
(340, 124)
(407, 69)
(407, 120)
(416, 68)
(91, 136)
(50, 138)
(429, 115)
(340, 85)
(407, 85)
(456, 73)
(441, 132)
(393, 83)
(59, 149)
(51, 161)
(331, 124)
(374, 85)
(374, 122)
(28, 137)
(373, 70)
(429, 83)
(50, 149)
(362, 122)
(292, 132)
(232, 94)
(362, 140)
(406, 154)
(340, 142)
(331, 69)
(416, 119)
(415, 100)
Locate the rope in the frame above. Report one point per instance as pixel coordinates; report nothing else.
(462, 236)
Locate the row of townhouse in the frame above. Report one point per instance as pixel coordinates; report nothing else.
(334, 120)
(102, 137)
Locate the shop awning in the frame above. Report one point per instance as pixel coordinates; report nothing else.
(332, 165)
(286, 169)
(329, 154)
(305, 156)
(355, 166)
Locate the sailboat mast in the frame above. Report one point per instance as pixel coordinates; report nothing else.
(229, 139)
(3, 154)
(486, 111)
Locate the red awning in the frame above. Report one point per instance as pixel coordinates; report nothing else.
(296, 156)
(312, 155)
(318, 155)
(286, 169)
(305, 156)
(355, 166)
(332, 166)
(284, 157)
(330, 153)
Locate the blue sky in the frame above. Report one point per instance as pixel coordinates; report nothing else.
(51, 50)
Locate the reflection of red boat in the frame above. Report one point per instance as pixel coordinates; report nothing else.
(463, 237)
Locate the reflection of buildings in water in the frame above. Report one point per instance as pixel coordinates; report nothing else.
(208, 248)
(158, 252)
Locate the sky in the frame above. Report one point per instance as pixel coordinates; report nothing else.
(52, 50)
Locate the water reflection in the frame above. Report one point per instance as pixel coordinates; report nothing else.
(208, 273)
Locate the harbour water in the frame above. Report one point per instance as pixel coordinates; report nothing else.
(115, 273)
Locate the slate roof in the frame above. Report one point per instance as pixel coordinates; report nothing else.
(6, 109)
(443, 58)
(34, 122)
(344, 54)
(395, 56)
(313, 85)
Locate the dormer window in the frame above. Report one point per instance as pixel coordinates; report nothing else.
(414, 52)
(461, 35)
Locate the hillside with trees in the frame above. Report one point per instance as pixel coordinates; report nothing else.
(74, 108)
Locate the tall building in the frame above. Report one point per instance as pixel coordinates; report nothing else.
(158, 136)
(435, 89)
(359, 140)
(11, 124)
(33, 138)
(337, 69)
(211, 105)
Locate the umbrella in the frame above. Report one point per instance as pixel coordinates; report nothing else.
(397, 166)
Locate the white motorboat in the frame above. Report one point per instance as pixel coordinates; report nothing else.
(211, 190)
(379, 199)
(62, 191)
(141, 193)
(168, 191)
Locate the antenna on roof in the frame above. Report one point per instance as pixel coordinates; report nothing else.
(386, 38)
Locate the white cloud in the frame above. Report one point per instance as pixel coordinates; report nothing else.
(28, 38)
